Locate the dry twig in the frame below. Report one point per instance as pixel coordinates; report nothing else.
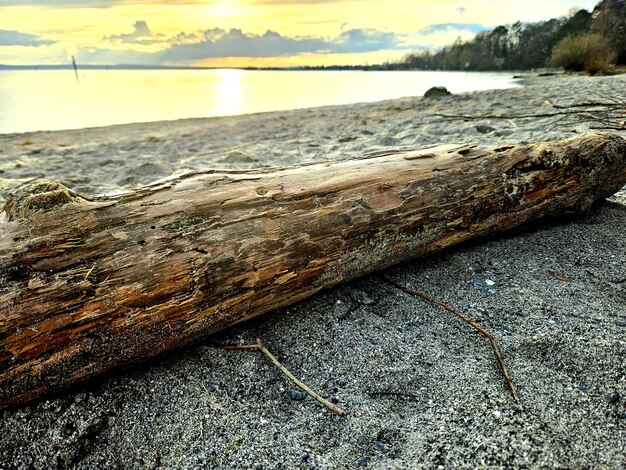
(474, 325)
(559, 277)
(259, 345)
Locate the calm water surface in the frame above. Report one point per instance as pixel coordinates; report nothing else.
(33, 100)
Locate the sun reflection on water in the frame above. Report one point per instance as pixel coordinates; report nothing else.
(229, 92)
(33, 100)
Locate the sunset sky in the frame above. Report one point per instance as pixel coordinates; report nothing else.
(248, 32)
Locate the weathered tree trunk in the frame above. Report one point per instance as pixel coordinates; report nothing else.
(87, 284)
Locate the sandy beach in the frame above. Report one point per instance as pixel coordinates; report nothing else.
(420, 388)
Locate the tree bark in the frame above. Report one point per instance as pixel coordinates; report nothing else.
(88, 284)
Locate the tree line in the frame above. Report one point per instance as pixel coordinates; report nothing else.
(583, 40)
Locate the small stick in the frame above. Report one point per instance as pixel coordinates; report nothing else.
(291, 377)
(89, 272)
(559, 277)
(477, 327)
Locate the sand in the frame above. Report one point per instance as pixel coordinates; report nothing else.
(419, 387)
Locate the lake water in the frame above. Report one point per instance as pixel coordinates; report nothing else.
(32, 100)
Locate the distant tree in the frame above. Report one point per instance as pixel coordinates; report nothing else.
(578, 22)
(590, 52)
(536, 43)
(526, 45)
(609, 19)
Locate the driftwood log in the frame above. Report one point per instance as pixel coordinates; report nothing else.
(88, 284)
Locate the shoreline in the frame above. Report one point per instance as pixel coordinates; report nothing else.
(150, 97)
(420, 389)
(144, 152)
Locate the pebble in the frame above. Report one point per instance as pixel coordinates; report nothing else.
(484, 129)
(295, 394)
(362, 462)
(612, 397)
(503, 329)
(479, 284)
(437, 92)
(388, 141)
(361, 297)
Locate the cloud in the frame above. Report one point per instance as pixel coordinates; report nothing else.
(91, 3)
(141, 34)
(217, 43)
(103, 56)
(16, 38)
(60, 3)
(141, 30)
(189, 48)
(446, 27)
(366, 40)
(200, 46)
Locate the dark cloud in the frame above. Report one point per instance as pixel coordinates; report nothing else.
(186, 48)
(215, 43)
(444, 27)
(140, 30)
(141, 35)
(16, 38)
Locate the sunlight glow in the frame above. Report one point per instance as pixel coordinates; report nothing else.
(229, 92)
(85, 27)
(224, 9)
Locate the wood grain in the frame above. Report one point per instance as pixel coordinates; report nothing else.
(91, 283)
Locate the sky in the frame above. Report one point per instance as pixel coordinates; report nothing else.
(242, 33)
